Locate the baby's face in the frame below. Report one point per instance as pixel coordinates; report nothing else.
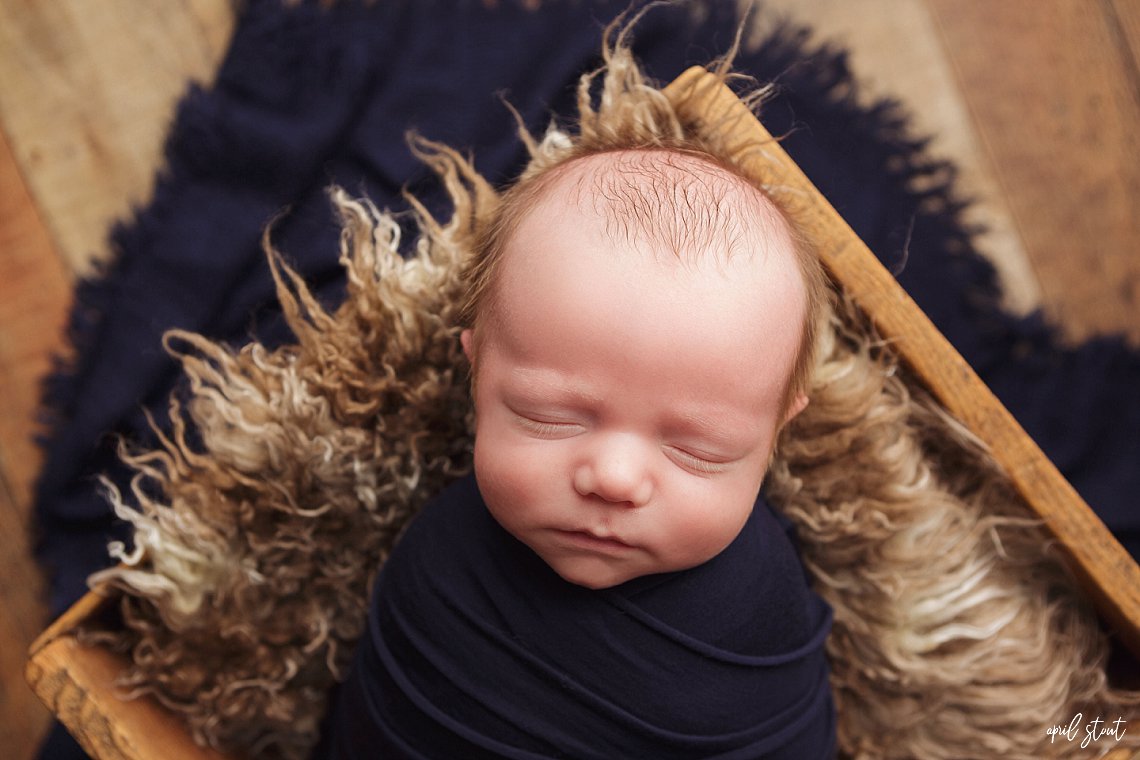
(627, 401)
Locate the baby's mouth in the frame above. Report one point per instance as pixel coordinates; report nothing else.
(589, 540)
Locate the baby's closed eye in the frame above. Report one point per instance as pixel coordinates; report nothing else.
(698, 463)
(548, 428)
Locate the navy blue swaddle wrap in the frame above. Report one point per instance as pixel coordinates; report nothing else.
(475, 648)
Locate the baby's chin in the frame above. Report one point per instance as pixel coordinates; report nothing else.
(596, 573)
(594, 582)
(593, 574)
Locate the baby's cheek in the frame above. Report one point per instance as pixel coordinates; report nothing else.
(707, 524)
(511, 478)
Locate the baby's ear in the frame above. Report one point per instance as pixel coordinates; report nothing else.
(797, 406)
(467, 340)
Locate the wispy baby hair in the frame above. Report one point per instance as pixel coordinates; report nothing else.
(628, 114)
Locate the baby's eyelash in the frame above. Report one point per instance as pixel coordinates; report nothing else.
(547, 429)
(696, 463)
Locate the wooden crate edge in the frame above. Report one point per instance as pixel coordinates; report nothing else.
(1105, 570)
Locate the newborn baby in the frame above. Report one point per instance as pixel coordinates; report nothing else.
(609, 583)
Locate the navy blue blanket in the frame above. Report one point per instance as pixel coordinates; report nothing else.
(477, 649)
(307, 97)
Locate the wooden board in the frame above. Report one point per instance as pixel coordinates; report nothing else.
(33, 306)
(1125, 20)
(1059, 116)
(1108, 574)
(78, 684)
(86, 93)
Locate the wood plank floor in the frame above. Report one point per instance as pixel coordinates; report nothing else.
(32, 311)
(1036, 100)
(1063, 142)
(81, 129)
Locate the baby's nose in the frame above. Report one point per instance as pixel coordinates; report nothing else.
(615, 471)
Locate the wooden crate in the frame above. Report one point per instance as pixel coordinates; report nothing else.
(77, 683)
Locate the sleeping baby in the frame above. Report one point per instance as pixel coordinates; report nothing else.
(610, 583)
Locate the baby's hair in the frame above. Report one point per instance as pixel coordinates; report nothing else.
(632, 115)
(666, 198)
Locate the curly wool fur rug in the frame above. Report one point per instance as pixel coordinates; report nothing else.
(290, 472)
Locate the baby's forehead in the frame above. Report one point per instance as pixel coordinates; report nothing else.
(676, 200)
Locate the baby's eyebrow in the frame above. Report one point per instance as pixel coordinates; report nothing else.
(717, 427)
(554, 384)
